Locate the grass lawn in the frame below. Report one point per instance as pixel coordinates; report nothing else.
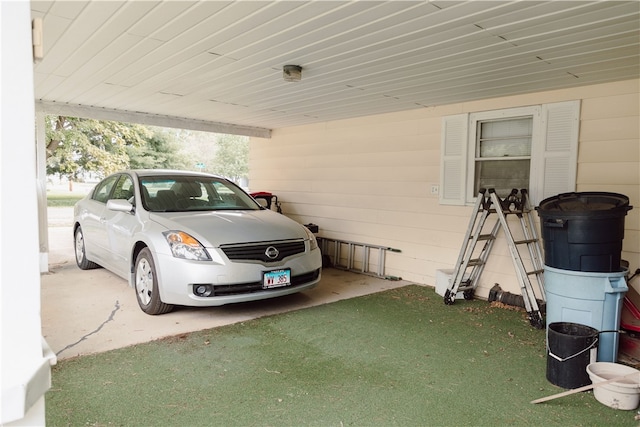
(60, 196)
(61, 200)
(396, 358)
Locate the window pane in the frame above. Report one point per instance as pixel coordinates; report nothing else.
(506, 128)
(123, 189)
(102, 191)
(511, 147)
(505, 138)
(503, 175)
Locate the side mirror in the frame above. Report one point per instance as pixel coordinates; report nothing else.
(119, 205)
(262, 202)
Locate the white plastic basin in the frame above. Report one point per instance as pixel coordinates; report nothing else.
(620, 394)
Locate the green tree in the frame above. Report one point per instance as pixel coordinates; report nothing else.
(161, 151)
(232, 156)
(77, 145)
(200, 146)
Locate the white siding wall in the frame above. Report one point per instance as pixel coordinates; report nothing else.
(370, 179)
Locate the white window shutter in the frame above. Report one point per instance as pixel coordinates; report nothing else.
(453, 165)
(561, 124)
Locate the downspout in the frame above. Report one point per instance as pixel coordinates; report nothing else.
(41, 187)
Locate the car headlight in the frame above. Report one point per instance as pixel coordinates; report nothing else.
(186, 246)
(313, 243)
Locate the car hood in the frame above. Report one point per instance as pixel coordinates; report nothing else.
(217, 228)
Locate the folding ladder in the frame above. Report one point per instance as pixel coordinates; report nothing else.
(466, 281)
(357, 253)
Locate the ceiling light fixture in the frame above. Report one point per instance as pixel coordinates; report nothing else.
(292, 73)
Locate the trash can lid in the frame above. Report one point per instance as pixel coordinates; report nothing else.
(590, 201)
(261, 194)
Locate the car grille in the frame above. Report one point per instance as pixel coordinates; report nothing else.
(247, 288)
(257, 251)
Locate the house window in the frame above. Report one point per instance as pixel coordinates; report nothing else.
(502, 155)
(530, 147)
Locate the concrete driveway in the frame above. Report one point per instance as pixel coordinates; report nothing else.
(92, 311)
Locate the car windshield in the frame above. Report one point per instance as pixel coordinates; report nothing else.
(177, 193)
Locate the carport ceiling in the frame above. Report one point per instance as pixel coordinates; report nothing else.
(217, 65)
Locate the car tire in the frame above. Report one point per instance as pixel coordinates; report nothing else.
(146, 285)
(81, 254)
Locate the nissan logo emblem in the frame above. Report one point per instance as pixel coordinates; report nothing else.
(272, 253)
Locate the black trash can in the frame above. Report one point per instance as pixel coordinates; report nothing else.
(583, 231)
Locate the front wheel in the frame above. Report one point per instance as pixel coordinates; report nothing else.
(81, 253)
(146, 283)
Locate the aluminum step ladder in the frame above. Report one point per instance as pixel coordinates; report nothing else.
(465, 281)
(356, 257)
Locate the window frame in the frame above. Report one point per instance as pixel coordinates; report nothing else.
(504, 114)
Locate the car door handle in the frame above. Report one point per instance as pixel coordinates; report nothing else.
(103, 220)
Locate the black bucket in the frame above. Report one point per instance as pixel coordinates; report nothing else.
(570, 348)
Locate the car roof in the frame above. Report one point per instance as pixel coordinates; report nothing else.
(173, 172)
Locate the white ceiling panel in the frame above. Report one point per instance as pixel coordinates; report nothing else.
(165, 20)
(218, 64)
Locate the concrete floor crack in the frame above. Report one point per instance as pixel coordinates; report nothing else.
(95, 331)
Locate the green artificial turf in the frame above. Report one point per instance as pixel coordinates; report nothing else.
(396, 358)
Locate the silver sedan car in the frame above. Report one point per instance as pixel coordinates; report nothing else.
(192, 239)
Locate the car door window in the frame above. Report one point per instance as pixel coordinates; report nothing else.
(123, 189)
(103, 189)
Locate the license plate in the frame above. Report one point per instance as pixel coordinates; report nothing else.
(276, 278)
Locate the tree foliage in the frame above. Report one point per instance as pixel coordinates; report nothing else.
(232, 156)
(76, 145)
(161, 151)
